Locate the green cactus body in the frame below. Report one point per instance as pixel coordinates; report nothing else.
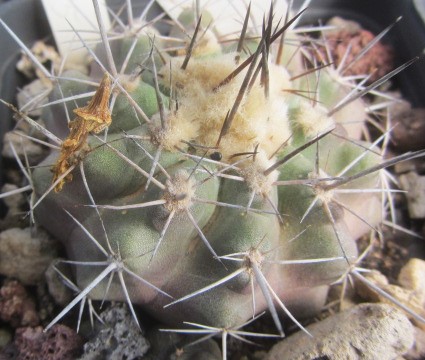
(235, 226)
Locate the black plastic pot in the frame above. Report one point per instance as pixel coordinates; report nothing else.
(27, 19)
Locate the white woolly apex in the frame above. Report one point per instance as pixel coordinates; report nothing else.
(313, 119)
(253, 172)
(203, 107)
(179, 192)
(177, 129)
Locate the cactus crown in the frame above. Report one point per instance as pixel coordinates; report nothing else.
(209, 179)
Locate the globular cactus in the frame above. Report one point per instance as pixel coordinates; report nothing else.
(212, 180)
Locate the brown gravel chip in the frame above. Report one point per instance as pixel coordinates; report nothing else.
(16, 307)
(347, 41)
(59, 343)
(409, 130)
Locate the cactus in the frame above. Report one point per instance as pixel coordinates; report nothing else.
(212, 181)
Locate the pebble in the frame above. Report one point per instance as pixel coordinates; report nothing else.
(365, 291)
(412, 299)
(28, 93)
(367, 332)
(417, 352)
(338, 23)
(22, 146)
(119, 339)
(409, 130)
(15, 201)
(24, 256)
(17, 308)
(14, 204)
(59, 343)
(412, 276)
(377, 62)
(44, 53)
(415, 187)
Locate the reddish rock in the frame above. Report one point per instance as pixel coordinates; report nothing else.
(16, 307)
(348, 41)
(59, 343)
